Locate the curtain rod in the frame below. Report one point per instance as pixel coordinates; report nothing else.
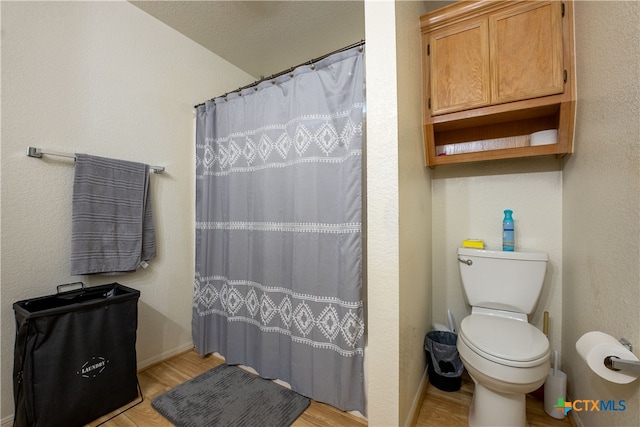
(37, 153)
(281, 73)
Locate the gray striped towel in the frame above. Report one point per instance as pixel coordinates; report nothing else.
(112, 221)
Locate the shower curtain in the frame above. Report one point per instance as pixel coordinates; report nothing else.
(278, 229)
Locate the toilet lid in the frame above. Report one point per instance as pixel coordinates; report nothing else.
(503, 338)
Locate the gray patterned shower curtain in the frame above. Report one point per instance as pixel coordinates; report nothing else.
(278, 229)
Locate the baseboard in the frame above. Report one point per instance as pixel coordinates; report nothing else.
(414, 413)
(573, 416)
(574, 419)
(159, 358)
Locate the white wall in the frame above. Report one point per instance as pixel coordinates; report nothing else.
(414, 198)
(102, 78)
(468, 202)
(399, 213)
(382, 214)
(601, 191)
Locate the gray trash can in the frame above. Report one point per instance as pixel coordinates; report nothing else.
(443, 361)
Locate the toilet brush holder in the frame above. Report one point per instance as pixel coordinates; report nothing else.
(555, 392)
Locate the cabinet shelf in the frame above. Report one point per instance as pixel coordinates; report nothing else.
(500, 125)
(504, 153)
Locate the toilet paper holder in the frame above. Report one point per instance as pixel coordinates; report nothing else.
(616, 364)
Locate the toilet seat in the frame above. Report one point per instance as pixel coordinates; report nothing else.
(505, 341)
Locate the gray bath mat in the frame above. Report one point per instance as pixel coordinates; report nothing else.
(228, 396)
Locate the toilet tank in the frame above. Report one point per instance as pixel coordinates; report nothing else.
(500, 280)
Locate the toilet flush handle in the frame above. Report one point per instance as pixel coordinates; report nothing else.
(465, 261)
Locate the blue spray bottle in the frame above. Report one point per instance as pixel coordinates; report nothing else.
(508, 236)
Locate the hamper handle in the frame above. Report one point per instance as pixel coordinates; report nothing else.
(59, 287)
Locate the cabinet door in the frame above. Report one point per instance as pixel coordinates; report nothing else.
(459, 67)
(526, 52)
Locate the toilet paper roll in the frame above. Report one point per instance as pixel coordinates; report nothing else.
(594, 347)
(544, 137)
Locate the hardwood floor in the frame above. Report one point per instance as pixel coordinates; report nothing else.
(439, 408)
(159, 378)
(450, 409)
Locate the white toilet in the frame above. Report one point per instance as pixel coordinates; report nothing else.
(505, 355)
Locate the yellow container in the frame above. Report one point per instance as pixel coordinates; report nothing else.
(473, 243)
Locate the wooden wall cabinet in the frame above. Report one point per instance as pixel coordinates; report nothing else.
(494, 73)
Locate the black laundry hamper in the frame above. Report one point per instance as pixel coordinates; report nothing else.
(75, 355)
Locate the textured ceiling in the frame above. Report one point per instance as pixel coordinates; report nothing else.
(264, 37)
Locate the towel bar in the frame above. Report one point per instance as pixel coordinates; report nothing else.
(37, 153)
